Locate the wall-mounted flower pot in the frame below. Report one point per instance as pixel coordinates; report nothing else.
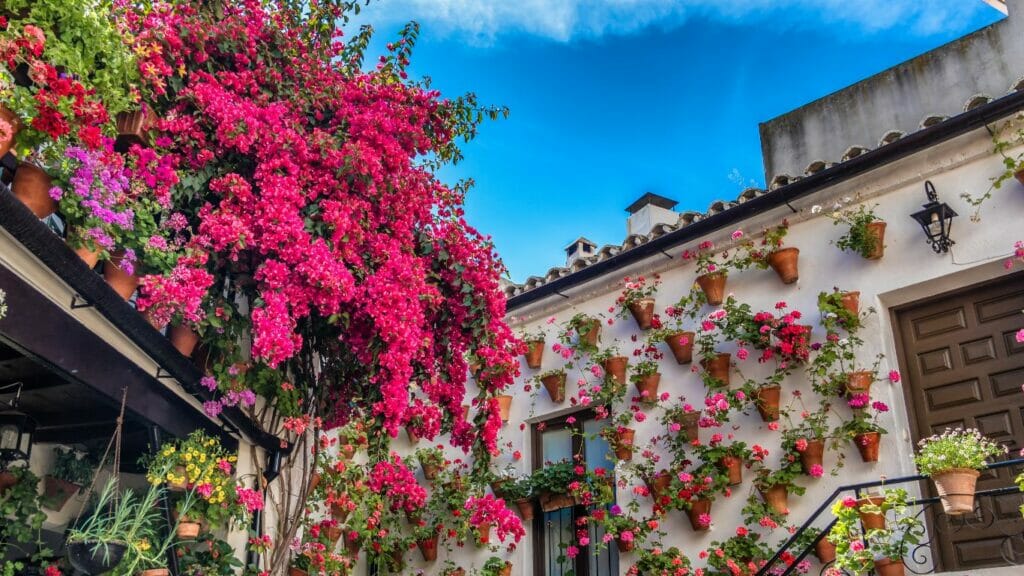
(784, 262)
(352, 547)
(1019, 175)
(681, 346)
(713, 286)
(734, 468)
(183, 338)
(851, 301)
(871, 520)
(133, 128)
(890, 567)
(333, 533)
(867, 445)
(293, 571)
(89, 256)
(956, 488)
(859, 382)
(647, 387)
(347, 451)
(695, 511)
(483, 534)
(659, 484)
(7, 136)
(624, 443)
(456, 572)
(593, 332)
(690, 421)
(7, 480)
(156, 572)
(777, 497)
(32, 186)
(314, 481)
(876, 230)
(534, 353)
(825, 551)
(615, 367)
(398, 560)
(339, 511)
(428, 548)
(93, 557)
(120, 281)
(768, 400)
(504, 406)
(549, 502)
(413, 436)
(718, 367)
(430, 470)
(506, 570)
(555, 385)
(188, 530)
(625, 546)
(525, 507)
(57, 492)
(643, 312)
(813, 455)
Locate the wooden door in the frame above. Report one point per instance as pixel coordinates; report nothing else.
(962, 366)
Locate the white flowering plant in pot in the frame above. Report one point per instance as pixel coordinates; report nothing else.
(954, 460)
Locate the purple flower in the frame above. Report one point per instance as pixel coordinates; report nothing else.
(248, 397)
(208, 382)
(615, 510)
(56, 193)
(212, 408)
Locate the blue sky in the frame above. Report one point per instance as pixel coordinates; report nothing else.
(612, 98)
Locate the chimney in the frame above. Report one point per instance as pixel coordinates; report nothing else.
(580, 248)
(647, 212)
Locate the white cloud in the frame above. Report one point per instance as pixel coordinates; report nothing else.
(565, 20)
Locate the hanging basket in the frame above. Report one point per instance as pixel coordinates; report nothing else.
(713, 286)
(784, 262)
(534, 353)
(93, 557)
(956, 488)
(681, 345)
(643, 312)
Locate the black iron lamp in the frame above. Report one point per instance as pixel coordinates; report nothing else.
(936, 219)
(16, 430)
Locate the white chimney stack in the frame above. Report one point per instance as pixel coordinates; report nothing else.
(648, 211)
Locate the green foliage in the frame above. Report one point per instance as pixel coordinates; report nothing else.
(554, 478)
(1011, 164)
(955, 448)
(857, 238)
(208, 556)
(20, 508)
(856, 549)
(73, 466)
(834, 315)
(493, 566)
(656, 560)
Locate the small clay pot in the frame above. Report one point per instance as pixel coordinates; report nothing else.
(32, 186)
(57, 492)
(871, 520)
(718, 367)
(430, 471)
(696, 510)
(890, 567)
(11, 118)
(768, 399)
(956, 488)
(643, 312)
(534, 354)
(813, 454)
(777, 497)
(734, 467)
(428, 548)
(681, 346)
(183, 338)
(647, 387)
(690, 421)
(624, 545)
(851, 301)
(593, 333)
(867, 445)
(525, 507)
(713, 286)
(615, 367)
(550, 502)
(624, 444)
(504, 406)
(156, 572)
(784, 262)
(121, 282)
(555, 385)
(188, 530)
(659, 484)
(859, 382)
(877, 231)
(825, 551)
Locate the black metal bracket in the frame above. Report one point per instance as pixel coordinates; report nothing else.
(562, 295)
(162, 374)
(667, 255)
(78, 302)
(790, 206)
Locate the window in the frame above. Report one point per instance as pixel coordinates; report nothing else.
(553, 441)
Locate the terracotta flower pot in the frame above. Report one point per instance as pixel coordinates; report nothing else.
(825, 551)
(506, 570)
(690, 421)
(333, 533)
(1019, 175)
(555, 385)
(734, 467)
(7, 480)
(768, 399)
(890, 567)
(57, 492)
(593, 334)
(777, 497)
(550, 502)
(32, 186)
(339, 512)
(713, 286)
(643, 312)
(156, 572)
(188, 530)
(428, 548)
(647, 387)
(183, 338)
(293, 571)
(314, 481)
(525, 507)
(352, 547)
(615, 367)
(504, 406)
(483, 534)
(877, 231)
(121, 282)
(659, 484)
(347, 451)
(859, 382)
(624, 545)
(784, 262)
(430, 471)
(813, 454)
(398, 560)
(7, 136)
(534, 354)
(456, 572)
(133, 128)
(956, 489)
(851, 301)
(695, 511)
(871, 520)
(681, 346)
(624, 443)
(718, 367)
(867, 445)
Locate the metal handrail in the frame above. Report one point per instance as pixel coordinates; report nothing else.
(857, 488)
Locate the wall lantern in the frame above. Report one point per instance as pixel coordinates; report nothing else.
(16, 430)
(936, 219)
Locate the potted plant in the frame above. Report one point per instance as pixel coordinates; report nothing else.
(613, 363)
(20, 505)
(954, 460)
(552, 485)
(840, 309)
(645, 375)
(684, 419)
(729, 457)
(620, 437)
(71, 470)
(520, 492)
(585, 330)
(659, 560)
(865, 233)
(695, 491)
(741, 554)
(859, 549)
(776, 485)
(637, 298)
(623, 526)
(782, 260)
(495, 566)
(431, 460)
(824, 550)
(807, 439)
(712, 270)
(534, 340)
(679, 340)
(554, 382)
(862, 427)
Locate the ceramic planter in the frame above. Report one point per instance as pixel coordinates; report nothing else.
(784, 262)
(293, 571)
(119, 280)
(956, 489)
(550, 502)
(430, 471)
(504, 406)
(890, 567)
(534, 354)
(713, 286)
(876, 230)
(624, 545)
(690, 421)
(695, 511)
(593, 332)
(647, 387)
(659, 484)
(615, 367)
(768, 399)
(718, 367)
(57, 492)
(483, 534)
(188, 530)
(525, 507)
(12, 119)
(133, 128)
(643, 312)
(339, 512)
(681, 346)
(851, 301)
(871, 520)
(777, 497)
(867, 445)
(334, 533)
(183, 338)
(94, 557)
(624, 443)
(32, 186)
(555, 385)
(859, 382)
(428, 548)
(734, 467)
(825, 551)
(813, 455)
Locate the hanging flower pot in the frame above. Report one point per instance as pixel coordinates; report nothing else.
(813, 455)
(889, 567)
(681, 345)
(1019, 175)
(32, 186)
(333, 533)
(615, 367)
(57, 492)
(314, 481)
(695, 512)
(871, 520)
(505, 570)
(784, 262)
(777, 497)
(555, 385)
(549, 502)
(643, 312)
(851, 301)
(718, 367)
(859, 382)
(352, 547)
(659, 484)
(624, 443)
(483, 534)
(339, 511)
(590, 332)
(428, 548)
(768, 399)
(293, 571)
(7, 135)
(347, 451)
(825, 551)
(413, 436)
(188, 530)
(504, 406)
(95, 557)
(456, 572)
(430, 470)
(525, 507)
(713, 286)
(398, 560)
(7, 480)
(734, 467)
(876, 231)
(624, 545)
(647, 387)
(120, 281)
(956, 488)
(133, 127)
(534, 353)
(183, 338)
(867, 444)
(690, 421)
(156, 572)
